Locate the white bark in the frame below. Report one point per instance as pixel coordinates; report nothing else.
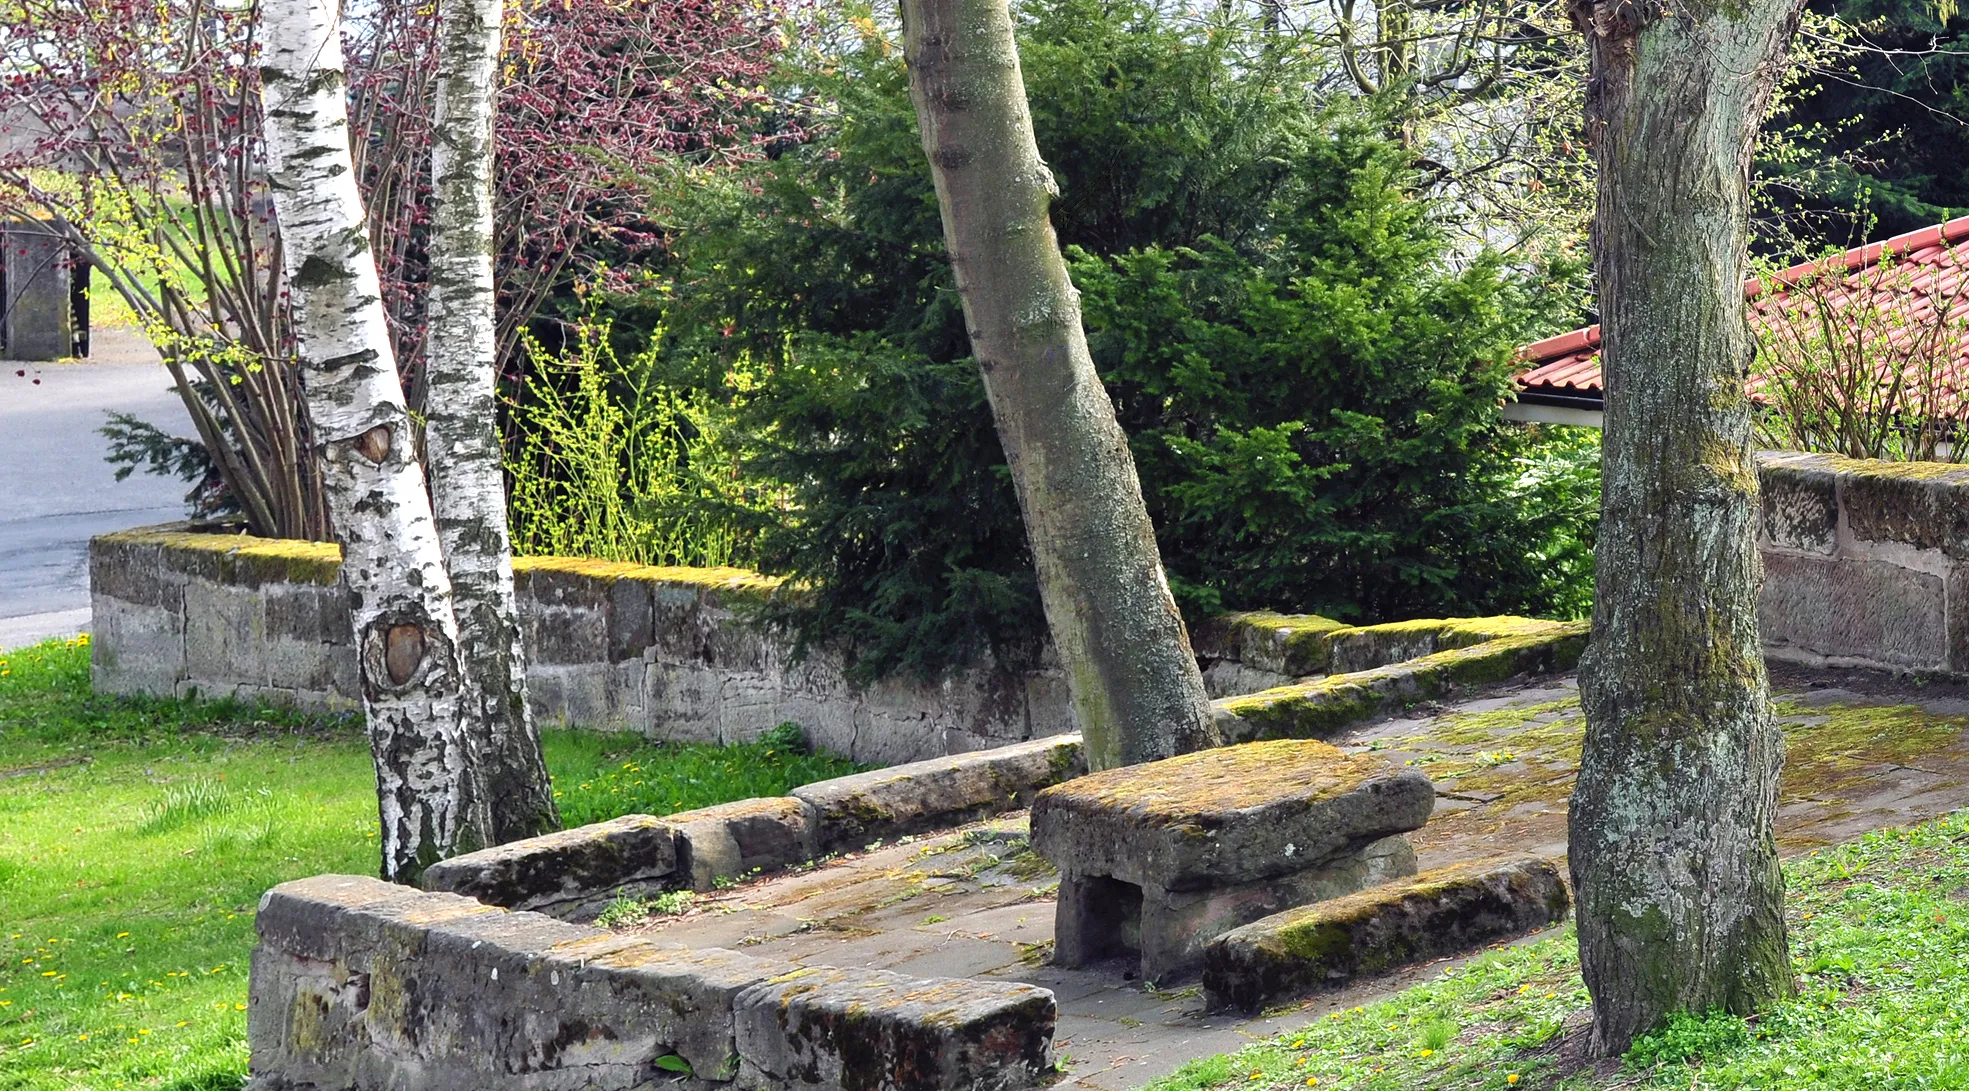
(461, 433)
(431, 804)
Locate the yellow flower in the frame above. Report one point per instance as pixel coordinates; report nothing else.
(1511, 1079)
(81, 1037)
(120, 935)
(1312, 1081)
(1427, 1053)
(1525, 988)
(1257, 1075)
(239, 1007)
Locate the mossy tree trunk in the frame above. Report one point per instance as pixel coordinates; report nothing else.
(1135, 686)
(421, 729)
(468, 485)
(1672, 852)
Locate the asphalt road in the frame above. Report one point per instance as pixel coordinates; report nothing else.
(56, 490)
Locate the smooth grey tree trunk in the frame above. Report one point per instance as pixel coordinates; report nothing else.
(1134, 681)
(1680, 899)
(468, 485)
(432, 803)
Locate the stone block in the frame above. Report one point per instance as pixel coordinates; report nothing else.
(850, 812)
(306, 612)
(570, 873)
(1799, 507)
(129, 565)
(1442, 912)
(1920, 504)
(1320, 708)
(372, 987)
(133, 648)
(734, 839)
(683, 999)
(1226, 816)
(568, 636)
(629, 620)
(866, 1030)
(225, 635)
(1853, 608)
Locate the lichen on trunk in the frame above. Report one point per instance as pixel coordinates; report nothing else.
(1135, 686)
(1672, 851)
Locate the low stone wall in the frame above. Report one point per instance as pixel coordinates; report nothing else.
(362, 985)
(661, 651)
(667, 652)
(1865, 563)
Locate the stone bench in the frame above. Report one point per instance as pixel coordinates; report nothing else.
(1161, 858)
(1443, 912)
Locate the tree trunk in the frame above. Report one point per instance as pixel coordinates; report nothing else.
(461, 434)
(420, 731)
(1133, 678)
(1673, 859)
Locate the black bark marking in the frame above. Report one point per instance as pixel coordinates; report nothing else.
(318, 272)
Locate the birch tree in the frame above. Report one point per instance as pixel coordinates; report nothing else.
(1134, 682)
(461, 432)
(1672, 850)
(432, 801)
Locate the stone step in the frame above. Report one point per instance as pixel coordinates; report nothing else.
(1442, 912)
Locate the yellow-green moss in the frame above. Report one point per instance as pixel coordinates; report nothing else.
(1222, 779)
(707, 579)
(243, 557)
(1868, 467)
(1826, 744)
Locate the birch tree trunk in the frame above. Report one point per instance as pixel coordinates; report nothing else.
(1672, 853)
(1134, 681)
(461, 435)
(420, 731)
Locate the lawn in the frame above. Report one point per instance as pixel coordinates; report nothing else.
(1880, 940)
(139, 835)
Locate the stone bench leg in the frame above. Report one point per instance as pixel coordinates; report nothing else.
(1100, 917)
(1097, 918)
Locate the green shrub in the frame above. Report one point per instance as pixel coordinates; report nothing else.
(1309, 376)
(604, 462)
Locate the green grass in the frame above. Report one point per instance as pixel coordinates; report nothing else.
(139, 835)
(1880, 939)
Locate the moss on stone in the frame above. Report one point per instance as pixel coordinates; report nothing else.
(242, 558)
(1176, 790)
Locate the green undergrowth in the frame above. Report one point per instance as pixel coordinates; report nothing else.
(139, 835)
(1880, 931)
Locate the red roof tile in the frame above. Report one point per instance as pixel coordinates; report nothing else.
(1932, 262)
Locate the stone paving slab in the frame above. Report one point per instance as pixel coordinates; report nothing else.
(1866, 751)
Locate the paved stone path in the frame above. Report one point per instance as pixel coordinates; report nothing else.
(978, 903)
(55, 489)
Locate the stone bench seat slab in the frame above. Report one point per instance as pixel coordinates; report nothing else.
(1446, 911)
(852, 812)
(569, 873)
(1226, 816)
(870, 1030)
